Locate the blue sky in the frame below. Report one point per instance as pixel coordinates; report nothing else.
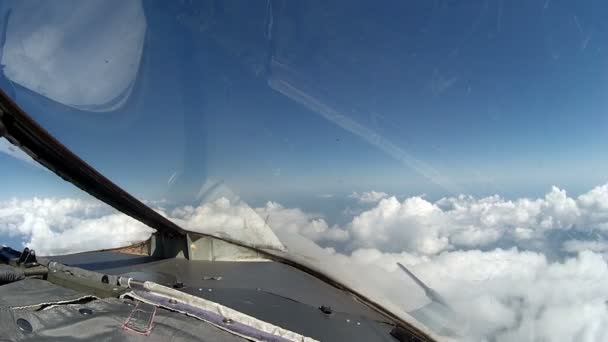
(494, 97)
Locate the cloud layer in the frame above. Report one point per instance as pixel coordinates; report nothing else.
(57, 226)
(369, 196)
(229, 218)
(295, 221)
(489, 257)
(420, 226)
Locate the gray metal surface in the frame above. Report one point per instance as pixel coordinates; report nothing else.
(96, 261)
(296, 316)
(103, 320)
(36, 293)
(273, 292)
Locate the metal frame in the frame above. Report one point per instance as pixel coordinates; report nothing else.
(170, 240)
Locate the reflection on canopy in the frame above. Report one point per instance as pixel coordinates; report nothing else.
(75, 59)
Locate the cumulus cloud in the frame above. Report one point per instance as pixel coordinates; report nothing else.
(412, 225)
(368, 196)
(503, 294)
(496, 295)
(295, 221)
(418, 225)
(230, 218)
(574, 246)
(56, 226)
(456, 245)
(512, 295)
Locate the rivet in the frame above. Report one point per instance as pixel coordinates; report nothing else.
(24, 325)
(326, 309)
(85, 311)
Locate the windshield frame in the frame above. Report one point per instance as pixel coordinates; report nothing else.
(21, 130)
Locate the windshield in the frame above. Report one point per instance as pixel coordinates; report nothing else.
(464, 140)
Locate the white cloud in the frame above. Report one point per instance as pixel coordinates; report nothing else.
(412, 225)
(500, 295)
(519, 296)
(420, 226)
(56, 226)
(368, 196)
(574, 246)
(506, 294)
(295, 221)
(230, 218)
